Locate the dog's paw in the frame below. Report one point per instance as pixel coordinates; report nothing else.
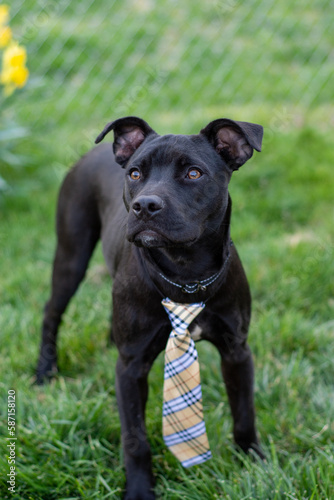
(140, 495)
(252, 450)
(44, 376)
(256, 451)
(140, 488)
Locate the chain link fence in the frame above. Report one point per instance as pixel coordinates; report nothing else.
(178, 65)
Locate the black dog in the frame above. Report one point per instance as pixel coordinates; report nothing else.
(168, 237)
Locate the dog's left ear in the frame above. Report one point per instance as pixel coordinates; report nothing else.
(234, 141)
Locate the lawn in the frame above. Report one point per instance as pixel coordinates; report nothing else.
(178, 67)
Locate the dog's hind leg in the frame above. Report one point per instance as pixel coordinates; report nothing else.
(78, 230)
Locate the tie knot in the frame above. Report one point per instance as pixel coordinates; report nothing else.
(181, 315)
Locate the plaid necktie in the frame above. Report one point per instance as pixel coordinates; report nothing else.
(182, 421)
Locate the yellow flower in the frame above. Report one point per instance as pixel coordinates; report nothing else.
(20, 76)
(6, 81)
(14, 72)
(5, 36)
(14, 55)
(17, 76)
(4, 14)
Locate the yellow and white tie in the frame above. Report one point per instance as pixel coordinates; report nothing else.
(183, 423)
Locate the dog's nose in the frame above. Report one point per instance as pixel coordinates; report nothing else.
(145, 207)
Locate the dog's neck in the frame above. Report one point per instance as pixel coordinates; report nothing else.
(199, 261)
(191, 264)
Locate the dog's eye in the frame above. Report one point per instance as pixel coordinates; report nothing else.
(135, 174)
(194, 174)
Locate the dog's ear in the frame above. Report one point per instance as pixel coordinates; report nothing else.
(129, 133)
(234, 141)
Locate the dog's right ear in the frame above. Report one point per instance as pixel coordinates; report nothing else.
(129, 133)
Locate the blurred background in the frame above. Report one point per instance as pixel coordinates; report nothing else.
(178, 65)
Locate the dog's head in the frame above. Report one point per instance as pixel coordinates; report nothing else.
(176, 186)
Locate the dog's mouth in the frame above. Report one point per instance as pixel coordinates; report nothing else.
(150, 238)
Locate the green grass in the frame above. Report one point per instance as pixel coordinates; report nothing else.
(178, 68)
(69, 432)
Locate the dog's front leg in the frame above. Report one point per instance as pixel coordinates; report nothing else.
(238, 373)
(239, 379)
(132, 392)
